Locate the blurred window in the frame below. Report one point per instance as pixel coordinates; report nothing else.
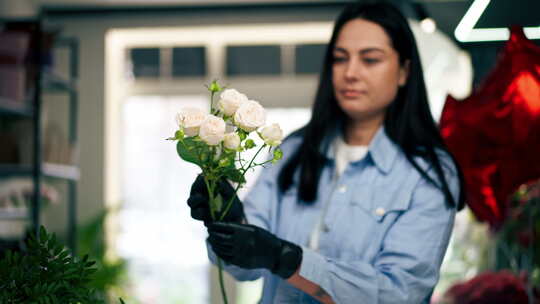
(188, 62)
(309, 58)
(253, 60)
(145, 62)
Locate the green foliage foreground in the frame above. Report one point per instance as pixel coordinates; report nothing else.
(46, 273)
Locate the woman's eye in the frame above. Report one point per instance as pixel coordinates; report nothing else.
(339, 59)
(371, 60)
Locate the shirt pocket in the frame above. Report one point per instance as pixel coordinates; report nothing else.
(366, 219)
(385, 203)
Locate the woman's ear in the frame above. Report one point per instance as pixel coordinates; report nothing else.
(404, 73)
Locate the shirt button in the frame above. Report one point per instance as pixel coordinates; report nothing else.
(342, 189)
(326, 228)
(380, 211)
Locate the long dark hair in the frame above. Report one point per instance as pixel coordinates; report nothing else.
(408, 121)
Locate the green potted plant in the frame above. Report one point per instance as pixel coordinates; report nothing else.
(46, 272)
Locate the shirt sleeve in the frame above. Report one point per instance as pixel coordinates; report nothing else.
(407, 267)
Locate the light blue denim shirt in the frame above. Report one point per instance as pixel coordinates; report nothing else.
(386, 228)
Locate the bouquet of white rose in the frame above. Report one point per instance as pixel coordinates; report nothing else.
(215, 141)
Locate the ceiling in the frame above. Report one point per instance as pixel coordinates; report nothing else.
(446, 13)
(173, 2)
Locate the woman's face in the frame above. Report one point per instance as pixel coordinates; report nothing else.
(366, 70)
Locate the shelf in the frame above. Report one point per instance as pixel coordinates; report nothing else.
(52, 83)
(13, 214)
(58, 171)
(11, 107)
(66, 172)
(7, 170)
(48, 81)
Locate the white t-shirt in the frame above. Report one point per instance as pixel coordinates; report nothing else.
(344, 154)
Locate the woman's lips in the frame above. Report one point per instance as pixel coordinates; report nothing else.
(352, 93)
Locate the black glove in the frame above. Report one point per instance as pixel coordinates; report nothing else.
(198, 201)
(252, 247)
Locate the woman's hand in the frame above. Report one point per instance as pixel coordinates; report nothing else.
(198, 201)
(251, 247)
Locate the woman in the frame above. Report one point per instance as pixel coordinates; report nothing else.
(362, 207)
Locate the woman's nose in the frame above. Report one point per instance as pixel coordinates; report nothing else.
(353, 70)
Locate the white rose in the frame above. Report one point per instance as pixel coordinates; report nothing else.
(249, 116)
(212, 130)
(230, 101)
(231, 141)
(190, 120)
(272, 135)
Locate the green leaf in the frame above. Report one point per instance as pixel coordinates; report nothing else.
(242, 134)
(88, 264)
(214, 87)
(42, 234)
(204, 157)
(8, 256)
(91, 271)
(224, 162)
(179, 134)
(71, 271)
(278, 154)
(249, 144)
(186, 150)
(58, 249)
(53, 239)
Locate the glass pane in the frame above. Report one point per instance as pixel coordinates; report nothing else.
(189, 62)
(145, 62)
(253, 60)
(309, 58)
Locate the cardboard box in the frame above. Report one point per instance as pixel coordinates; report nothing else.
(12, 82)
(13, 47)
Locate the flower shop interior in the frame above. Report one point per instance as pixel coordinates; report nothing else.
(89, 90)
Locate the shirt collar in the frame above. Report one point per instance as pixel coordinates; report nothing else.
(382, 150)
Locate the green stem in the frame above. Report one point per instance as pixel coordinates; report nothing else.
(240, 161)
(212, 103)
(210, 196)
(212, 207)
(223, 293)
(253, 159)
(212, 214)
(244, 170)
(229, 203)
(264, 163)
